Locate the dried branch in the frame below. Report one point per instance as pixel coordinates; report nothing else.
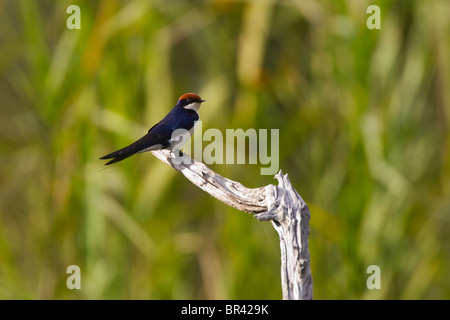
(281, 204)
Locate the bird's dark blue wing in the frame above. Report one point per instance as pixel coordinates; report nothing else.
(143, 143)
(178, 118)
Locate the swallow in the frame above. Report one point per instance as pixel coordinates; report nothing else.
(172, 131)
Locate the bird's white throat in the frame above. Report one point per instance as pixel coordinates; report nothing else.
(193, 106)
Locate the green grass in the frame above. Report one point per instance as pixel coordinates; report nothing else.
(363, 118)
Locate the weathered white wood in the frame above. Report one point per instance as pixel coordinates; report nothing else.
(281, 204)
(290, 217)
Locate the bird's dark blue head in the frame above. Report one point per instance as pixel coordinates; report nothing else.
(190, 101)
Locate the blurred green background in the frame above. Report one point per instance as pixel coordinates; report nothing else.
(363, 118)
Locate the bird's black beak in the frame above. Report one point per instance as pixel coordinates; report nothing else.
(202, 101)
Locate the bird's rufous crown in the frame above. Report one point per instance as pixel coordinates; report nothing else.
(191, 96)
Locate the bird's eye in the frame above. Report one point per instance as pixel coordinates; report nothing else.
(189, 100)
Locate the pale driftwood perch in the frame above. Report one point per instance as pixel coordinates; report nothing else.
(281, 204)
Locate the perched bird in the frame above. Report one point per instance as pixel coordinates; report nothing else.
(164, 134)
